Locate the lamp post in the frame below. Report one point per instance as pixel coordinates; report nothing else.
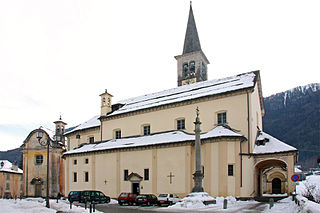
(47, 144)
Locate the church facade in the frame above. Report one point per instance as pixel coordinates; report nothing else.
(34, 152)
(145, 144)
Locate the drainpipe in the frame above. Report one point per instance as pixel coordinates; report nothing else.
(248, 111)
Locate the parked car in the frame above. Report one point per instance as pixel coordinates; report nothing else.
(96, 196)
(127, 198)
(75, 196)
(168, 199)
(146, 199)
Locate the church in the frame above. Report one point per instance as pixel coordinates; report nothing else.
(146, 144)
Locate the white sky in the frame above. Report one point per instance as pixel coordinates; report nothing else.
(58, 56)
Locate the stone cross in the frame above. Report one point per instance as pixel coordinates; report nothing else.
(197, 176)
(170, 176)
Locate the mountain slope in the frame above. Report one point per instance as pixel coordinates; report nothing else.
(294, 117)
(12, 155)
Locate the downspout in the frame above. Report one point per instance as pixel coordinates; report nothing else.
(248, 111)
(240, 165)
(100, 130)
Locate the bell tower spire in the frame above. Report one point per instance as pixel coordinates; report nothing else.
(192, 64)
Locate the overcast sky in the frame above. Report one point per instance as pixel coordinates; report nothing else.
(58, 56)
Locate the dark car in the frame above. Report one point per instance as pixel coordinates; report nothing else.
(127, 198)
(75, 196)
(94, 196)
(146, 199)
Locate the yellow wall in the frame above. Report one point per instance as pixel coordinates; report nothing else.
(31, 170)
(73, 142)
(15, 184)
(165, 119)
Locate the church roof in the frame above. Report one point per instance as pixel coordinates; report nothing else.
(154, 139)
(188, 92)
(93, 122)
(191, 41)
(6, 166)
(271, 145)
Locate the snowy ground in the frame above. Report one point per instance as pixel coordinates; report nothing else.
(188, 204)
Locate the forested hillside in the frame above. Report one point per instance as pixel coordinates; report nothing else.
(294, 117)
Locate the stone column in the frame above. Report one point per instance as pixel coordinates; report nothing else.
(197, 176)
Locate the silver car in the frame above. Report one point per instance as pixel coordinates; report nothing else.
(168, 199)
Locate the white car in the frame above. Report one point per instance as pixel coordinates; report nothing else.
(168, 199)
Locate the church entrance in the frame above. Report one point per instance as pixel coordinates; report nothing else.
(135, 188)
(37, 190)
(135, 180)
(276, 186)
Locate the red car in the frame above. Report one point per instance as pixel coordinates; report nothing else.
(127, 198)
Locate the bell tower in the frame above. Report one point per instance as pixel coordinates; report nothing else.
(105, 103)
(60, 130)
(192, 64)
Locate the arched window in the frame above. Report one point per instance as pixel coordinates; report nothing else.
(185, 69)
(192, 66)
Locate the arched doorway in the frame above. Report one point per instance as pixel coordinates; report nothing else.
(276, 186)
(37, 182)
(271, 177)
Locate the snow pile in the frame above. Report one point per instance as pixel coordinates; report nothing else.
(311, 186)
(31, 205)
(193, 200)
(307, 206)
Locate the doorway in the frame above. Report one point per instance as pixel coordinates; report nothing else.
(276, 186)
(135, 188)
(37, 190)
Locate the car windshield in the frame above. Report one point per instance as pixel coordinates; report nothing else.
(142, 196)
(162, 195)
(123, 195)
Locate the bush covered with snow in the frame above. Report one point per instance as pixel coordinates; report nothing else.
(310, 188)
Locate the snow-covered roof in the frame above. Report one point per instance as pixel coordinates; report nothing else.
(93, 122)
(6, 166)
(271, 145)
(187, 92)
(155, 139)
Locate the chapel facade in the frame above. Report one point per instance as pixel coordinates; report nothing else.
(34, 152)
(145, 144)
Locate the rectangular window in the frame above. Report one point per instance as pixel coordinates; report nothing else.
(8, 186)
(181, 124)
(222, 118)
(146, 130)
(39, 159)
(86, 177)
(91, 140)
(74, 177)
(75, 162)
(146, 174)
(125, 174)
(8, 176)
(118, 134)
(78, 136)
(230, 170)
(86, 161)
